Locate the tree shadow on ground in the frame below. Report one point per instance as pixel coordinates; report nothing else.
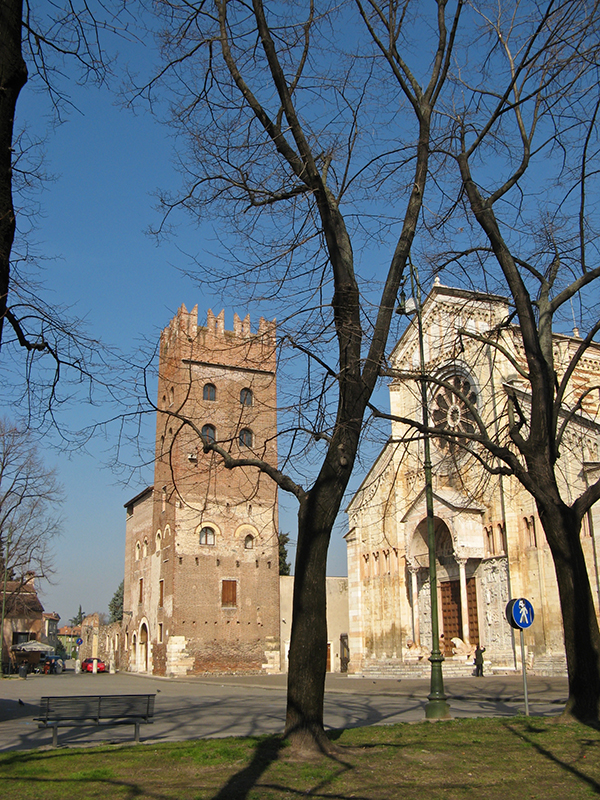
(268, 750)
(239, 785)
(543, 751)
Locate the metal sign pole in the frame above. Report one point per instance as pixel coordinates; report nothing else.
(520, 614)
(524, 667)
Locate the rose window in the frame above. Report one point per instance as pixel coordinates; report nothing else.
(451, 414)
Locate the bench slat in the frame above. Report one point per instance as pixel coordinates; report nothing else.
(133, 705)
(69, 707)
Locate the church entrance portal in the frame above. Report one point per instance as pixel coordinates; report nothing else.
(452, 622)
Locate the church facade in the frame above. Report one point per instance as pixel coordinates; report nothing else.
(201, 591)
(490, 545)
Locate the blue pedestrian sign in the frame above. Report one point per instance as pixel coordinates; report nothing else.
(519, 613)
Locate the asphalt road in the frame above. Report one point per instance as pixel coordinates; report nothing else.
(209, 706)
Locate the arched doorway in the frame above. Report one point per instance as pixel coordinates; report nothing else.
(133, 666)
(143, 649)
(457, 594)
(419, 548)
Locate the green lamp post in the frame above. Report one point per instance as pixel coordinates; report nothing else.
(437, 707)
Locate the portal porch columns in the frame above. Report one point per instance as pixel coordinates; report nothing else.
(464, 602)
(414, 598)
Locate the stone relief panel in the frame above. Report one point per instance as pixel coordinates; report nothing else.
(425, 612)
(494, 630)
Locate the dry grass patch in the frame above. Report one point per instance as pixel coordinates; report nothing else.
(492, 759)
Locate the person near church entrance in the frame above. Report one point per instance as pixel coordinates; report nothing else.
(479, 651)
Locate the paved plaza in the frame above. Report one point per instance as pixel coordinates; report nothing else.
(209, 706)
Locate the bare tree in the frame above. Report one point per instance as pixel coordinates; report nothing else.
(273, 128)
(546, 265)
(524, 140)
(39, 43)
(29, 499)
(314, 159)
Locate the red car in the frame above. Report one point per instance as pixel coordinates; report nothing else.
(87, 665)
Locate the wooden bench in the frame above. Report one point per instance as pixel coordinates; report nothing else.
(111, 709)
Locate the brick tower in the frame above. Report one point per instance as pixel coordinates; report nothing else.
(202, 571)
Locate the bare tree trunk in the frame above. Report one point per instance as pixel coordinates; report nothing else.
(581, 633)
(13, 76)
(308, 644)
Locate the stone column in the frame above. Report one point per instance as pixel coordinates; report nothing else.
(414, 602)
(464, 602)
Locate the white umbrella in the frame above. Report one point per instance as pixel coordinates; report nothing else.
(32, 647)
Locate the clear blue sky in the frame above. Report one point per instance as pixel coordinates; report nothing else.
(108, 162)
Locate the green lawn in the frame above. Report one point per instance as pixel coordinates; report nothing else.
(482, 759)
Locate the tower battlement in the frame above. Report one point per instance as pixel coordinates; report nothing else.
(214, 344)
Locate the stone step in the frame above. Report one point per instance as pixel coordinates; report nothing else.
(549, 666)
(544, 666)
(397, 669)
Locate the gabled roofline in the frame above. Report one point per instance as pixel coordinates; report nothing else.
(139, 496)
(448, 291)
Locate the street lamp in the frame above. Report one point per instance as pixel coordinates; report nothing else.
(437, 707)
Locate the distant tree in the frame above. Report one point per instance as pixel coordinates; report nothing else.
(115, 607)
(284, 564)
(60, 650)
(78, 618)
(29, 497)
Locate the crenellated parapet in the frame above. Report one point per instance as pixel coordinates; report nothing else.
(238, 347)
(183, 338)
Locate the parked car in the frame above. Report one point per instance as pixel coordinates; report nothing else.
(52, 665)
(87, 665)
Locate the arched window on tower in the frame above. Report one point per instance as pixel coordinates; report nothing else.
(209, 392)
(489, 541)
(207, 535)
(501, 546)
(246, 397)
(249, 542)
(246, 437)
(531, 533)
(209, 433)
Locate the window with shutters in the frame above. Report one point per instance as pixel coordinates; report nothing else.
(229, 594)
